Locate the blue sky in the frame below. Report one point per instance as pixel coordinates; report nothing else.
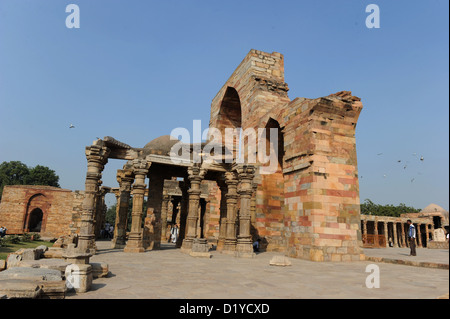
(135, 70)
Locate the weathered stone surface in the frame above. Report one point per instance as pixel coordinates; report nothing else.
(3, 296)
(56, 264)
(99, 270)
(41, 250)
(437, 245)
(280, 261)
(20, 288)
(200, 254)
(13, 260)
(79, 277)
(31, 273)
(2, 264)
(53, 252)
(30, 254)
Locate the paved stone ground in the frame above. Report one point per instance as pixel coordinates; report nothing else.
(440, 256)
(170, 274)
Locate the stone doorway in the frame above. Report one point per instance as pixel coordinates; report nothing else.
(35, 220)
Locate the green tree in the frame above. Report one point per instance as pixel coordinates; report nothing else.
(370, 208)
(17, 173)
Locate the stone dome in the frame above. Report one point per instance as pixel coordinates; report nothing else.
(433, 208)
(160, 145)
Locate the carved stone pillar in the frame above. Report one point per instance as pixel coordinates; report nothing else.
(419, 236)
(365, 230)
(97, 157)
(183, 212)
(223, 214)
(195, 176)
(164, 215)
(244, 247)
(135, 240)
(386, 235)
(395, 239)
(125, 179)
(405, 242)
(231, 198)
(375, 232)
(432, 231)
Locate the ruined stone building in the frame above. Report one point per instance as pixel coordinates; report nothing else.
(308, 208)
(50, 211)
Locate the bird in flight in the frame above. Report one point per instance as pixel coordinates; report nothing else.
(71, 126)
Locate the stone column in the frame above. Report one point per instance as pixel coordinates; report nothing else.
(375, 232)
(244, 247)
(164, 214)
(386, 234)
(253, 209)
(419, 236)
(195, 176)
(394, 230)
(125, 178)
(183, 212)
(135, 240)
(432, 231)
(365, 229)
(223, 215)
(231, 201)
(97, 157)
(405, 241)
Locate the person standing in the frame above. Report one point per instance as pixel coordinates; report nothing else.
(174, 233)
(412, 238)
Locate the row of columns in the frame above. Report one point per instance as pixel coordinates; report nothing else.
(400, 241)
(237, 185)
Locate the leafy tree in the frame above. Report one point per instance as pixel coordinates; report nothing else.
(17, 173)
(42, 175)
(370, 208)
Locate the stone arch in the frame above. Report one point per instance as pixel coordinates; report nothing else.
(35, 220)
(279, 144)
(36, 209)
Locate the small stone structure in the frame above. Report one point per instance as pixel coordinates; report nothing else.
(50, 211)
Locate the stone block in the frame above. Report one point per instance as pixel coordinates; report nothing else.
(280, 261)
(13, 260)
(40, 250)
(56, 264)
(30, 254)
(99, 270)
(28, 273)
(2, 264)
(19, 288)
(53, 252)
(79, 277)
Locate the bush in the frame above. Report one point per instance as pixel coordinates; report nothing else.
(27, 237)
(11, 239)
(36, 236)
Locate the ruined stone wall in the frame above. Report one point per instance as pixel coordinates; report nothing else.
(309, 208)
(60, 208)
(321, 178)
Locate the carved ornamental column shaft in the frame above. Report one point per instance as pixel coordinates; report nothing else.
(231, 198)
(125, 179)
(135, 240)
(97, 157)
(244, 246)
(195, 176)
(223, 215)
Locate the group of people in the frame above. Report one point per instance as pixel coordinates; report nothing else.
(107, 231)
(2, 231)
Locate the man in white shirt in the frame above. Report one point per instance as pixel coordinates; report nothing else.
(412, 238)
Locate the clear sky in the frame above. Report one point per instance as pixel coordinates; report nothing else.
(135, 70)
